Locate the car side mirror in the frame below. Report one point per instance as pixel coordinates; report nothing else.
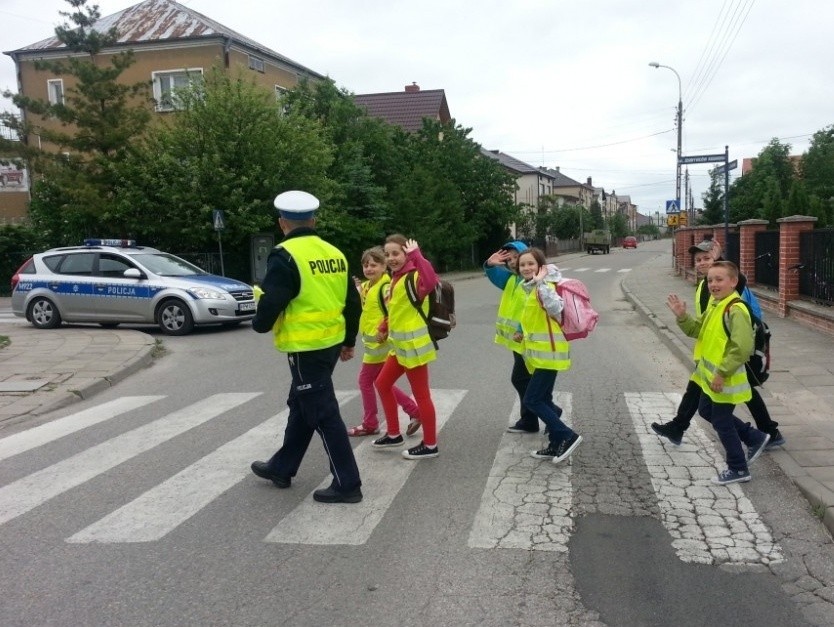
(133, 273)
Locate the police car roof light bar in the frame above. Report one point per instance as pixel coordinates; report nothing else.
(119, 243)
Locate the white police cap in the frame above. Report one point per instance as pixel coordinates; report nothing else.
(296, 205)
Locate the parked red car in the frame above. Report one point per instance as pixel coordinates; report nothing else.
(630, 242)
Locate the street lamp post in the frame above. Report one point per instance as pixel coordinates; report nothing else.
(679, 116)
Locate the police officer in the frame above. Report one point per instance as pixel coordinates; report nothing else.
(309, 303)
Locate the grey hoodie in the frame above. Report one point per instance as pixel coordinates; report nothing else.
(553, 303)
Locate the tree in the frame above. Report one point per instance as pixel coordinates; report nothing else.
(713, 199)
(818, 170)
(230, 147)
(96, 124)
(597, 221)
(772, 205)
(618, 225)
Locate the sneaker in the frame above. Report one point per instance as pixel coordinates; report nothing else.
(548, 452)
(520, 428)
(262, 470)
(728, 476)
(668, 431)
(387, 441)
(421, 451)
(566, 447)
(776, 440)
(413, 427)
(332, 495)
(753, 452)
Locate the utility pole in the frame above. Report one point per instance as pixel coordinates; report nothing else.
(679, 120)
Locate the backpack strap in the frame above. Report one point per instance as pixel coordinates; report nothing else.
(417, 303)
(725, 319)
(381, 298)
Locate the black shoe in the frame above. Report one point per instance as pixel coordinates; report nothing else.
(387, 441)
(566, 447)
(331, 495)
(548, 452)
(520, 428)
(262, 470)
(668, 431)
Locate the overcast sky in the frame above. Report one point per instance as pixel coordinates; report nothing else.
(556, 82)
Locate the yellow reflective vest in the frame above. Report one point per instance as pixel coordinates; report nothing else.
(544, 345)
(409, 336)
(314, 319)
(372, 315)
(710, 348)
(509, 315)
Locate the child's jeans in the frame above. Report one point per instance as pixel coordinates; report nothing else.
(367, 375)
(731, 431)
(539, 399)
(418, 378)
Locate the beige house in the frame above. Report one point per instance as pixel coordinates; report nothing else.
(172, 44)
(570, 191)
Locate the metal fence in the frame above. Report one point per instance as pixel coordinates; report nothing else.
(732, 249)
(816, 268)
(767, 258)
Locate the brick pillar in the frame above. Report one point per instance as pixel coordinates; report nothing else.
(747, 244)
(789, 230)
(683, 259)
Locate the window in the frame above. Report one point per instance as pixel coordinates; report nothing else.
(112, 266)
(256, 63)
(280, 91)
(55, 90)
(166, 84)
(78, 264)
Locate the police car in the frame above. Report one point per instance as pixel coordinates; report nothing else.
(114, 281)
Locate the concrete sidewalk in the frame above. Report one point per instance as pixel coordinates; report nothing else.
(41, 371)
(799, 392)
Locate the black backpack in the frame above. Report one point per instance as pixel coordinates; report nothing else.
(441, 318)
(758, 366)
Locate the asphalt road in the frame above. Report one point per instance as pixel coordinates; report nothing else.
(151, 517)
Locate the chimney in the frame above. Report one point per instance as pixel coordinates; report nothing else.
(589, 182)
(557, 169)
(410, 89)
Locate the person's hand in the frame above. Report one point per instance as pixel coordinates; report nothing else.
(540, 274)
(498, 258)
(410, 246)
(717, 384)
(381, 337)
(518, 336)
(347, 353)
(677, 306)
(357, 282)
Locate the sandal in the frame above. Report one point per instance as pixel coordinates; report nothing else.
(413, 426)
(361, 430)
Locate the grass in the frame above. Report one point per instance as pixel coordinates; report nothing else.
(4, 341)
(818, 510)
(158, 349)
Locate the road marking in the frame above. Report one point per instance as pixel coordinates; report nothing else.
(385, 473)
(163, 508)
(33, 490)
(709, 523)
(581, 269)
(603, 270)
(624, 270)
(51, 431)
(526, 502)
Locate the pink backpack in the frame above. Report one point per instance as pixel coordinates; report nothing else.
(578, 317)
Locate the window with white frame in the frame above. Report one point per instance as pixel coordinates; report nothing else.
(256, 63)
(55, 90)
(166, 84)
(280, 92)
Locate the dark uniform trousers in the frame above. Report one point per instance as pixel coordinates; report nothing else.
(314, 408)
(520, 378)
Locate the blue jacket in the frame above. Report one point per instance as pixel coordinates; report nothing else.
(499, 275)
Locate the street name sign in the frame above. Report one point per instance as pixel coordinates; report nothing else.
(702, 159)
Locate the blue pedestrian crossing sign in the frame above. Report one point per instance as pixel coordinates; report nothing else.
(218, 219)
(672, 206)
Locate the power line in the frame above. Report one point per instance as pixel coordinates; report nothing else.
(625, 141)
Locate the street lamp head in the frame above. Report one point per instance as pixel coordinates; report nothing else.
(654, 64)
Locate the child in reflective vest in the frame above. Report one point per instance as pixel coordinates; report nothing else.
(719, 368)
(374, 291)
(546, 351)
(412, 346)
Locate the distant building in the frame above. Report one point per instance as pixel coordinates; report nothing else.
(570, 191)
(407, 109)
(748, 163)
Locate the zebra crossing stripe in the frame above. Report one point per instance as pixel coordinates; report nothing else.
(162, 509)
(603, 270)
(527, 502)
(33, 490)
(384, 474)
(708, 523)
(50, 431)
(624, 270)
(581, 269)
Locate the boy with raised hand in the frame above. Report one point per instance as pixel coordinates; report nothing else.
(705, 254)
(720, 371)
(502, 270)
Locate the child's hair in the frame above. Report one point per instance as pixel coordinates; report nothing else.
(537, 254)
(376, 253)
(729, 266)
(395, 238)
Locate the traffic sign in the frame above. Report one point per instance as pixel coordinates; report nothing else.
(672, 219)
(217, 218)
(672, 206)
(721, 169)
(702, 159)
(683, 219)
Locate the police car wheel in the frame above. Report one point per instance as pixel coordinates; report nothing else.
(43, 314)
(174, 317)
